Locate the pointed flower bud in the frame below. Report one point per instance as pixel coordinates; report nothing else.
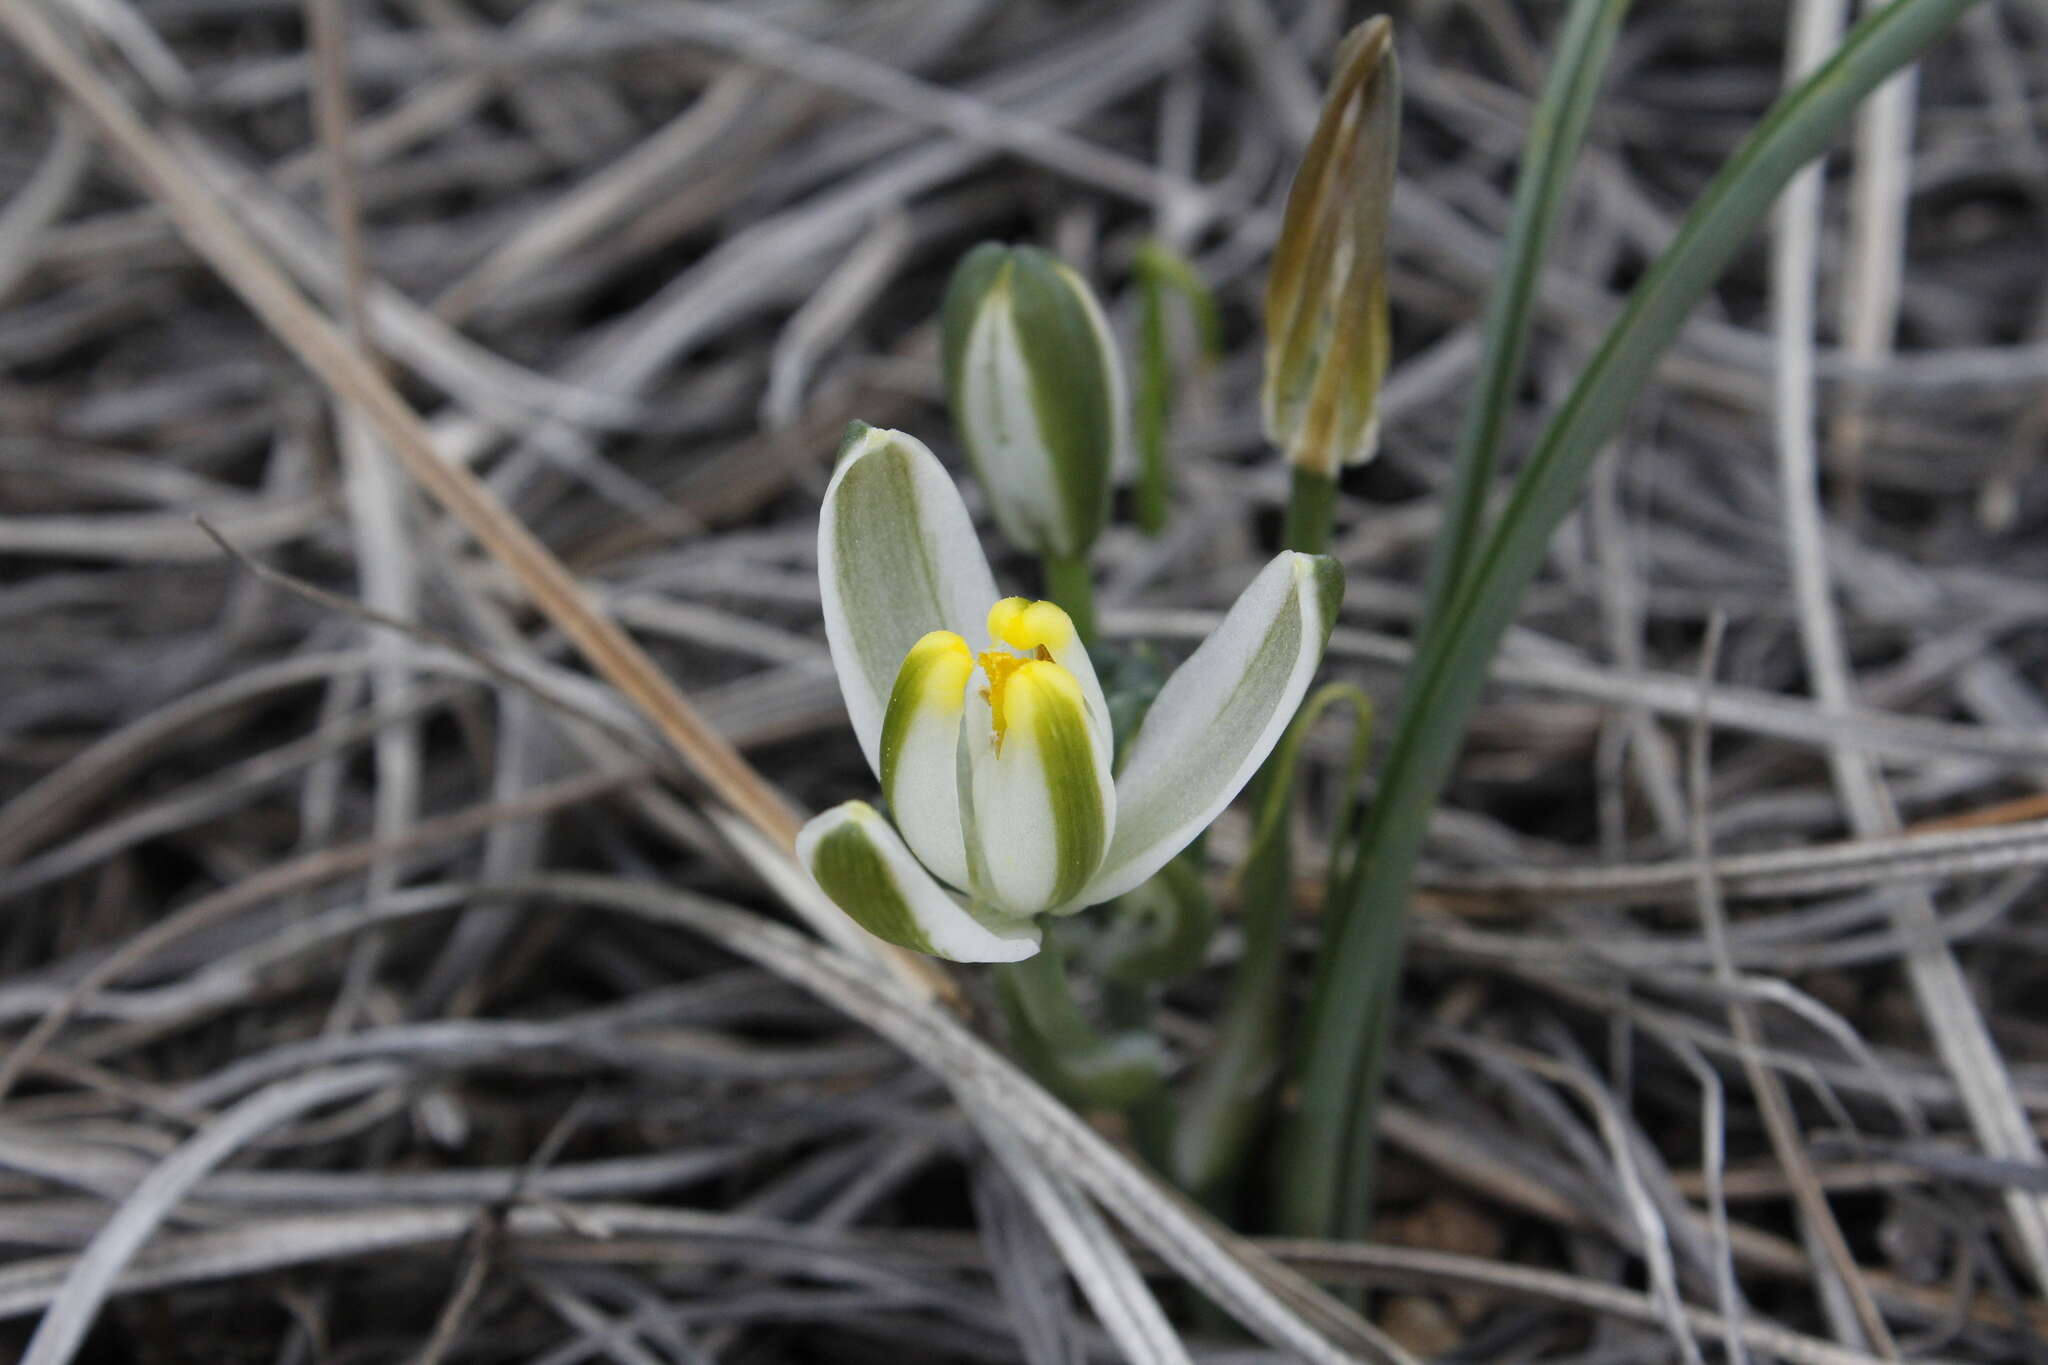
(989, 731)
(1037, 391)
(1326, 295)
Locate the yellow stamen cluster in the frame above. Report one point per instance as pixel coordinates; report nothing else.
(1032, 630)
(997, 665)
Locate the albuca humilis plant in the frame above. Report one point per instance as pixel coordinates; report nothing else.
(983, 719)
(1012, 802)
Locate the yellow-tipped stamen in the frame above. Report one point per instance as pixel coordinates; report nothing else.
(998, 666)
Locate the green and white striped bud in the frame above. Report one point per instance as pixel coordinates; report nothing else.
(1037, 390)
(1326, 296)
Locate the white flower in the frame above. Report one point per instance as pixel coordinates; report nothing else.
(985, 723)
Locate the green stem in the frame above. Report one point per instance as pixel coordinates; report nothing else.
(1044, 1002)
(1226, 1101)
(1069, 583)
(1311, 512)
(1057, 1043)
(1228, 1097)
(1151, 406)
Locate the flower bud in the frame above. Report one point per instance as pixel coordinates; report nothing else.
(1326, 295)
(1037, 391)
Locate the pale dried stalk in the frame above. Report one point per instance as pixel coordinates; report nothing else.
(213, 233)
(1939, 987)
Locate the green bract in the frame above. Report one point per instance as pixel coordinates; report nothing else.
(1037, 392)
(984, 721)
(1326, 295)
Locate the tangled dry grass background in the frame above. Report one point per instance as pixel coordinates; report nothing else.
(373, 995)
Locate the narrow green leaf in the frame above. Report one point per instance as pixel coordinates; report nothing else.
(1329, 1147)
(1541, 186)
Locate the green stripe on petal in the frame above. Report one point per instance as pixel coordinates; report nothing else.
(1044, 803)
(965, 292)
(1218, 717)
(859, 862)
(920, 747)
(897, 559)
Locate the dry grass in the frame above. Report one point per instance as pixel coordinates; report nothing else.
(396, 982)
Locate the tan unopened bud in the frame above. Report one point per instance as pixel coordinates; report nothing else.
(1326, 296)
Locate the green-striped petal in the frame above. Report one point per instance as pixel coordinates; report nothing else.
(1044, 804)
(1218, 717)
(920, 752)
(857, 860)
(897, 559)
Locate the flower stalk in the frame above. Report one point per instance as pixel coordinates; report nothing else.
(1084, 1067)
(1070, 583)
(1311, 512)
(1160, 273)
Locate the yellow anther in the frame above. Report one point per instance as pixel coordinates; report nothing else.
(1017, 684)
(997, 665)
(1027, 625)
